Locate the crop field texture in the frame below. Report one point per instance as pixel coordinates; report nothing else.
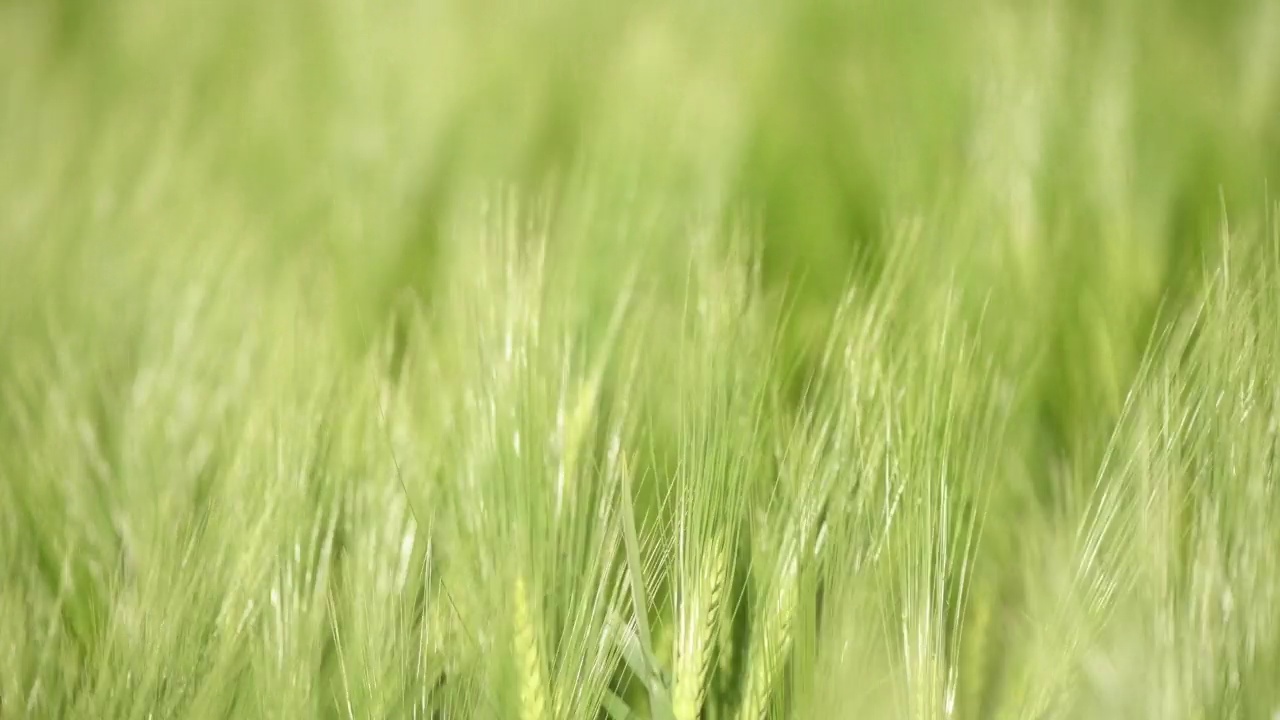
(639, 359)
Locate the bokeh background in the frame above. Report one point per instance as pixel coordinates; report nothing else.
(1075, 160)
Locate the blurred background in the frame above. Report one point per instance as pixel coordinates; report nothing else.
(1076, 161)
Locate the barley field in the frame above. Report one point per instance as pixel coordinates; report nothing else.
(640, 359)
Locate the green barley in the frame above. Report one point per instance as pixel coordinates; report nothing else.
(699, 610)
(533, 690)
(771, 639)
(940, 345)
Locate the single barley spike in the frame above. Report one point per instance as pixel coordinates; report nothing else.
(769, 646)
(533, 696)
(760, 671)
(725, 654)
(696, 632)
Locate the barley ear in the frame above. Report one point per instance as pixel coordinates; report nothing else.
(533, 695)
(770, 643)
(696, 626)
(725, 654)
